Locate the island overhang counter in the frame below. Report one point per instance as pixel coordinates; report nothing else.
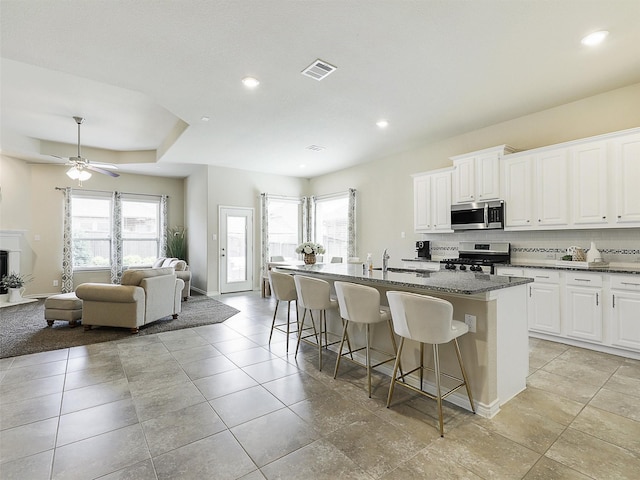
(496, 355)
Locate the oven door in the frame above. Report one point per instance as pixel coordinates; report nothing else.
(477, 216)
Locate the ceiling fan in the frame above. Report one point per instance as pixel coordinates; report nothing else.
(81, 168)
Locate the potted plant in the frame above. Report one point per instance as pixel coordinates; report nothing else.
(310, 250)
(177, 243)
(14, 284)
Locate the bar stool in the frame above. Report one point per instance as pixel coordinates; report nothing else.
(284, 290)
(426, 320)
(314, 294)
(361, 304)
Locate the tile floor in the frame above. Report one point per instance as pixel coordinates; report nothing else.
(216, 402)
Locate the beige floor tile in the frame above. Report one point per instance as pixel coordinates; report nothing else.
(295, 388)
(167, 400)
(34, 467)
(181, 427)
(202, 460)
(224, 383)
(618, 403)
(622, 383)
(274, 435)
(95, 421)
(100, 455)
(429, 465)
(584, 373)
(571, 388)
(485, 453)
(594, 457)
(239, 407)
(94, 395)
(140, 471)
(612, 428)
(27, 440)
(29, 410)
(604, 362)
(377, 447)
(318, 461)
(547, 469)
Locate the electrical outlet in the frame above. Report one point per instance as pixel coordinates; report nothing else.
(55, 283)
(470, 320)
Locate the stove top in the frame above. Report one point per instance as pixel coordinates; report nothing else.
(479, 257)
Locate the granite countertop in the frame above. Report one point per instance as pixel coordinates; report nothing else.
(610, 269)
(465, 283)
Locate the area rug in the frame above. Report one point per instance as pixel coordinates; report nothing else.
(24, 330)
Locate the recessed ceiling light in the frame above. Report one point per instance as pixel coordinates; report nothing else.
(382, 123)
(595, 38)
(204, 118)
(250, 82)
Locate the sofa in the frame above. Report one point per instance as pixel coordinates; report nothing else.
(145, 295)
(182, 271)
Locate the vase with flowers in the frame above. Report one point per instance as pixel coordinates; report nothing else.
(14, 284)
(310, 250)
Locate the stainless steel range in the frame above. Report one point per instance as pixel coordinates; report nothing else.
(479, 256)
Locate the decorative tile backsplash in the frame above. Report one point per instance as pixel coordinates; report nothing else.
(615, 245)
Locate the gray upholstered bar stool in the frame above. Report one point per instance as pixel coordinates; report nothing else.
(361, 304)
(314, 294)
(426, 320)
(284, 290)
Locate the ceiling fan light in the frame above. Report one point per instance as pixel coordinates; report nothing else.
(73, 173)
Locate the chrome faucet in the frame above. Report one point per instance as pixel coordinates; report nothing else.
(385, 258)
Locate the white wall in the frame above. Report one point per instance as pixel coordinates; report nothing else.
(232, 188)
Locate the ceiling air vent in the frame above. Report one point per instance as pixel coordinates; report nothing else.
(315, 148)
(318, 70)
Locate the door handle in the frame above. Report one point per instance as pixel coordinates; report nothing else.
(597, 303)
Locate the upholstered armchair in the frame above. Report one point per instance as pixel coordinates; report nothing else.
(145, 295)
(182, 272)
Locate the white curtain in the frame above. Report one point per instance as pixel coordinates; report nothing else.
(351, 225)
(116, 238)
(164, 223)
(264, 230)
(67, 244)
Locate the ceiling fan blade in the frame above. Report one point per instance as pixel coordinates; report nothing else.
(102, 170)
(104, 165)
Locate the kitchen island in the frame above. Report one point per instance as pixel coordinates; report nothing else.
(496, 355)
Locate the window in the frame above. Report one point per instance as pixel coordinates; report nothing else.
(285, 221)
(140, 231)
(91, 231)
(334, 225)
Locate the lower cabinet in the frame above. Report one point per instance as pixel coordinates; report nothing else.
(624, 311)
(583, 306)
(593, 310)
(543, 304)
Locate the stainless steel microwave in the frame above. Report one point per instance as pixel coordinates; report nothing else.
(478, 216)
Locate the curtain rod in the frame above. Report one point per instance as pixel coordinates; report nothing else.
(124, 193)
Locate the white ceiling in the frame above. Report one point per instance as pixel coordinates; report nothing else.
(143, 74)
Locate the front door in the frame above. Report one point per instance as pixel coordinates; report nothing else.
(236, 249)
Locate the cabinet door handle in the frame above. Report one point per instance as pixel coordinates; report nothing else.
(597, 303)
(631, 283)
(541, 276)
(614, 301)
(529, 292)
(582, 280)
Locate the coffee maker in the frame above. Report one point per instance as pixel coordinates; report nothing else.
(422, 250)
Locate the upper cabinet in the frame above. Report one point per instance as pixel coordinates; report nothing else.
(590, 183)
(476, 175)
(432, 201)
(626, 166)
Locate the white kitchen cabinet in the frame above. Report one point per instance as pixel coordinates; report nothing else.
(551, 182)
(589, 183)
(517, 174)
(583, 306)
(543, 303)
(476, 175)
(624, 311)
(626, 159)
(432, 201)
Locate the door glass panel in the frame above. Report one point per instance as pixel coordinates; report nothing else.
(236, 249)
